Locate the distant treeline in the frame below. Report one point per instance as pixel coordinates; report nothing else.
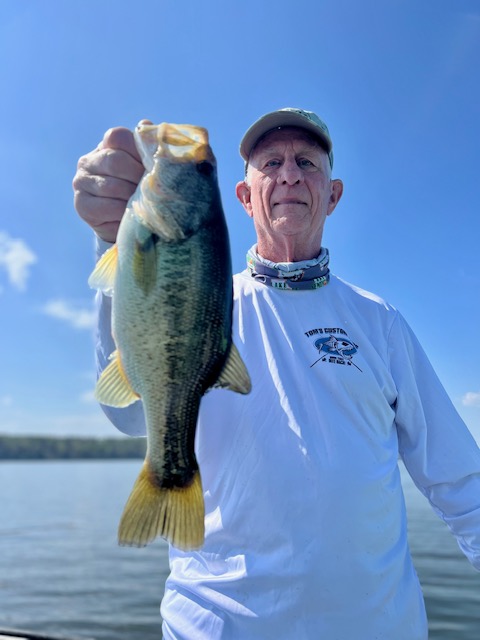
(43, 448)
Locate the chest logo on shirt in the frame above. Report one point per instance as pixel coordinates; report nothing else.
(333, 346)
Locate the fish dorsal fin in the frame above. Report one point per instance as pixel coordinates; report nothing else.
(113, 387)
(234, 375)
(103, 276)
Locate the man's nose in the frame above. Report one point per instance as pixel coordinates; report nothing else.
(290, 173)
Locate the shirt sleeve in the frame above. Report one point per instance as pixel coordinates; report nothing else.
(131, 419)
(436, 446)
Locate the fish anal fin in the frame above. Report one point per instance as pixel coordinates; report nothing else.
(113, 387)
(234, 375)
(176, 514)
(103, 276)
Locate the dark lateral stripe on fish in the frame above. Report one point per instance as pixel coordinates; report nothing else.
(179, 461)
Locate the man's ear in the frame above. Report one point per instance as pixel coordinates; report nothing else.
(335, 194)
(242, 191)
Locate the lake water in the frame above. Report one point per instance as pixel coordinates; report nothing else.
(62, 572)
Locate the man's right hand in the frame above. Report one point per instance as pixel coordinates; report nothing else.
(105, 179)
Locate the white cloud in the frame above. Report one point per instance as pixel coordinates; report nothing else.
(88, 397)
(6, 401)
(16, 257)
(471, 399)
(74, 315)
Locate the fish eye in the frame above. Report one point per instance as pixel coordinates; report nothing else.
(205, 168)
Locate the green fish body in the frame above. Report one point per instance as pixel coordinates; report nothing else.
(171, 280)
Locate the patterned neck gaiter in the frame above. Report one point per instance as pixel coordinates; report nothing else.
(308, 274)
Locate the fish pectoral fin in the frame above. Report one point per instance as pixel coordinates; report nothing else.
(234, 375)
(113, 387)
(103, 276)
(145, 259)
(176, 514)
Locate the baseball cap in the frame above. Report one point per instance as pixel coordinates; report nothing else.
(287, 117)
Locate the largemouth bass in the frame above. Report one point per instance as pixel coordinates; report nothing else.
(171, 280)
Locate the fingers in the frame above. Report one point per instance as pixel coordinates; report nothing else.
(103, 186)
(115, 163)
(121, 139)
(105, 179)
(96, 211)
(102, 214)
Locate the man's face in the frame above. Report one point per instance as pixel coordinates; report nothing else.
(289, 194)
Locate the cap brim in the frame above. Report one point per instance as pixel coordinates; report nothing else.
(280, 119)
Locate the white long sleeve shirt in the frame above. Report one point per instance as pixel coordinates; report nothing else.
(306, 533)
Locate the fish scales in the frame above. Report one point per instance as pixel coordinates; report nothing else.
(170, 274)
(188, 346)
(182, 307)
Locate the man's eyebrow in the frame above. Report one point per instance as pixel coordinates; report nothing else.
(302, 149)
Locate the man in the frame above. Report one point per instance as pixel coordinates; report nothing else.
(305, 517)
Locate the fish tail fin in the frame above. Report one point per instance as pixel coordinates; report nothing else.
(177, 514)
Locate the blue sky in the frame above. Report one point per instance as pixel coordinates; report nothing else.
(397, 82)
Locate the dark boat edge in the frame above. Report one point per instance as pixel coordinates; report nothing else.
(24, 634)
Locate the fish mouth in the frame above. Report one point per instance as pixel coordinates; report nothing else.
(177, 142)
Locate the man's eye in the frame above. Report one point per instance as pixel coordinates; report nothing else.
(304, 162)
(272, 163)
